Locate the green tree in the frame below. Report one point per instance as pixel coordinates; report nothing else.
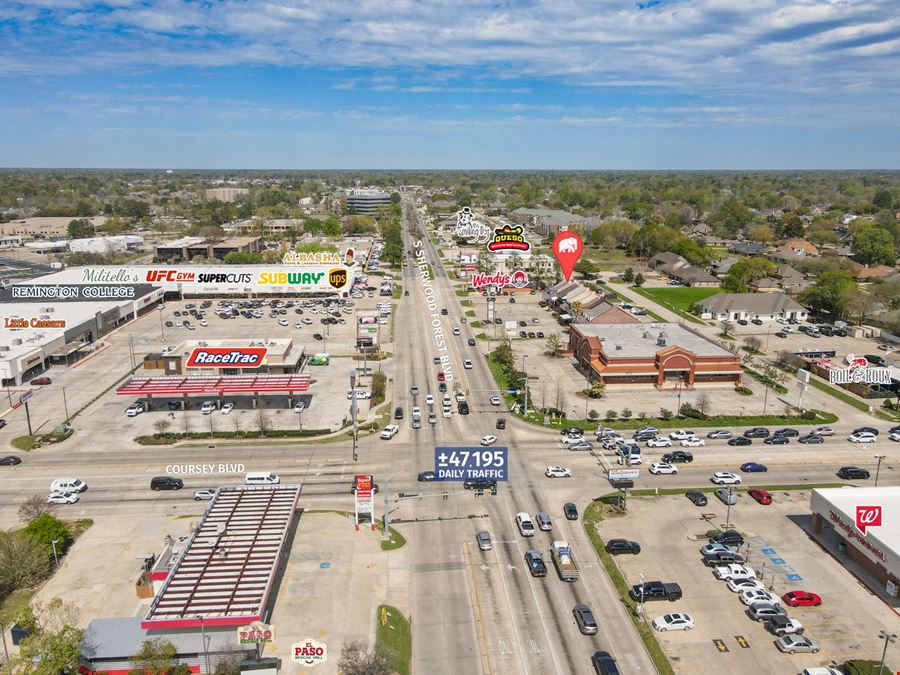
(628, 275)
(761, 233)
(80, 229)
(158, 656)
(638, 280)
(53, 645)
(47, 528)
(486, 263)
(243, 258)
(744, 271)
(873, 245)
(553, 344)
(790, 226)
(883, 199)
(731, 216)
(23, 562)
(828, 293)
(504, 357)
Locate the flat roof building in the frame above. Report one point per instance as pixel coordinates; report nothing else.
(367, 202)
(189, 248)
(763, 306)
(280, 356)
(660, 354)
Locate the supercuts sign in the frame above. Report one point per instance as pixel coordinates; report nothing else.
(226, 357)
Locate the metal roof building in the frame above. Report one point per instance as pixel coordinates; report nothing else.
(225, 573)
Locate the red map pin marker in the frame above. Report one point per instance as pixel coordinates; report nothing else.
(567, 248)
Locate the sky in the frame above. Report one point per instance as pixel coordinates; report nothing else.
(450, 84)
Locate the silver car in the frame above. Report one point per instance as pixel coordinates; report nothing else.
(483, 537)
(797, 643)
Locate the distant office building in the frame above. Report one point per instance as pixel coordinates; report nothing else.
(188, 248)
(104, 245)
(227, 194)
(367, 202)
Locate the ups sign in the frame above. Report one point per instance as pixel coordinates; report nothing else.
(337, 277)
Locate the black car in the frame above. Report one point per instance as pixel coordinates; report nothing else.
(790, 433)
(839, 332)
(10, 460)
(655, 590)
(471, 342)
(777, 440)
(698, 498)
(501, 423)
(742, 322)
(442, 387)
(166, 483)
(426, 476)
(540, 335)
(463, 408)
(174, 405)
(617, 546)
(852, 472)
(444, 311)
(894, 430)
(604, 664)
(677, 456)
(739, 440)
(318, 336)
(781, 334)
(757, 432)
(398, 413)
(722, 558)
(866, 430)
(728, 537)
(536, 564)
(811, 439)
(169, 324)
(479, 484)
(876, 359)
(571, 511)
(571, 431)
(643, 435)
(2, 423)
(756, 322)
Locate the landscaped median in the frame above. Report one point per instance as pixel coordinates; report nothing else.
(393, 633)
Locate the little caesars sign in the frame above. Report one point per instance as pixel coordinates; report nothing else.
(858, 370)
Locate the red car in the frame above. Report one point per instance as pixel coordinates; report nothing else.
(441, 377)
(761, 496)
(801, 599)
(41, 380)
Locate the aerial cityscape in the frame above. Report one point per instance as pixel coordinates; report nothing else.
(450, 338)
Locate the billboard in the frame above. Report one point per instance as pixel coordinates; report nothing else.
(624, 474)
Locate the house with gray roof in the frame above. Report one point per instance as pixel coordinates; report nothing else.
(691, 275)
(749, 306)
(747, 248)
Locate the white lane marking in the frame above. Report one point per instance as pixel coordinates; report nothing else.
(512, 616)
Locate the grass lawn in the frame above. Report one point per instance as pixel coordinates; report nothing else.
(394, 632)
(14, 602)
(608, 260)
(678, 299)
(24, 443)
(837, 393)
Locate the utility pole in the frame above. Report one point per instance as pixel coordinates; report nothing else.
(878, 467)
(65, 404)
(888, 638)
(353, 408)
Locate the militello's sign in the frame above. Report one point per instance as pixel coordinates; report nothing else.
(858, 371)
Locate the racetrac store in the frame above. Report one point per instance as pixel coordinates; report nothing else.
(846, 521)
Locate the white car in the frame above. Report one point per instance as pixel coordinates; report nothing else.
(495, 400)
(62, 498)
(895, 436)
(361, 394)
(693, 442)
(204, 494)
(488, 440)
(298, 325)
(558, 472)
(282, 322)
(306, 320)
(753, 596)
(734, 571)
(416, 411)
(675, 621)
(299, 407)
(741, 585)
(208, 407)
(390, 431)
(134, 409)
(725, 478)
(467, 364)
(456, 330)
(681, 434)
(227, 408)
(862, 437)
(203, 322)
(823, 431)
(429, 400)
(659, 442)
(571, 440)
(662, 468)
(446, 411)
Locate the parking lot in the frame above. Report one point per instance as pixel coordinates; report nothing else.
(671, 531)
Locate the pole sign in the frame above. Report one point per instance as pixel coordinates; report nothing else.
(26, 395)
(624, 474)
(475, 463)
(364, 499)
(858, 371)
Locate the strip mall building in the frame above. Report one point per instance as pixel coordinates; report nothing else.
(658, 354)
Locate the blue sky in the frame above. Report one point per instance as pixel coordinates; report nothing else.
(530, 84)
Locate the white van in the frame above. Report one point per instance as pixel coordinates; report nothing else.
(261, 478)
(68, 485)
(526, 527)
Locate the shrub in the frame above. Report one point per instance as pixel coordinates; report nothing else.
(626, 414)
(860, 667)
(744, 391)
(808, 415)
(665, 413)
(45, 529)
(611, 415)
(593, 414)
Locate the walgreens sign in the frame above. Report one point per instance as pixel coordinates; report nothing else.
(221, 357)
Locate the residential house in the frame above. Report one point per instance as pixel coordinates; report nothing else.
(799, 246)
(748, 306)
(765, 285)
(604, 312)
(666, 262)
(697, 230)
(865, 273)
(747, 248)
(693, 276)
(790, 280)
(721, 267)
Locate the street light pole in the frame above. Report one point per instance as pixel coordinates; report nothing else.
(888, 638)
(203, 637)
(162, 331)
(641, 606)
(728, 510)
(55, 557)
(353, 408)
(65, 404)
(878, 467)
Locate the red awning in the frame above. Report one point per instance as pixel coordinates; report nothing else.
(225, 384)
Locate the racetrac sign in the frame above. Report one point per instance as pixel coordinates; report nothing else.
(226, 357)
(858, 371)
